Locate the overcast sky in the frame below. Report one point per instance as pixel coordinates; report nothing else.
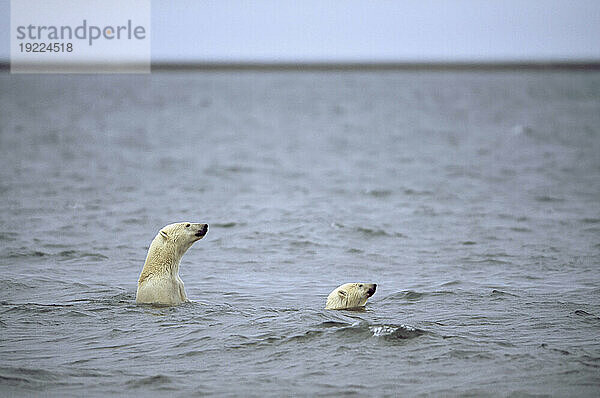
(350, 30)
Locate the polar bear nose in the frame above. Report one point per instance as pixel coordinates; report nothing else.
(371, 291)
(202, 231)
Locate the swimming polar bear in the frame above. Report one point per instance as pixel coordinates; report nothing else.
(159, 282)
(350, 295)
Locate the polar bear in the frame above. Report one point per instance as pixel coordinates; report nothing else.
(159, 282)
(350, 295)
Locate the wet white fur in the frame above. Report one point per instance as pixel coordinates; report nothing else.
(159, 281)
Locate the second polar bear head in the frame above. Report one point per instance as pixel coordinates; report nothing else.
(350, 295)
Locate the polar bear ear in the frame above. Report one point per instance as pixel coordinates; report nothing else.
(342, 293)
(163, 233)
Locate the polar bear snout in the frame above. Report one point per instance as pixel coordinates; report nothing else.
(371, 290)
(202, 231)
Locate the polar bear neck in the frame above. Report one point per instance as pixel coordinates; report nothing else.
(163, 258)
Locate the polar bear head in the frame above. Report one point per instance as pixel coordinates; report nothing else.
(350, 295)
(169, 245)
(182, 235)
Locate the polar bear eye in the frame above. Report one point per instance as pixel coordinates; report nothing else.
(360, 285)
(187, 225)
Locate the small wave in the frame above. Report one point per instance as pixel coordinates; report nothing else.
(488, 260)
(76, 254)
(8, 236)
(79, 307)
(22, 253)
(378, 193)
(336, 225)
(369, 232)
(150, 382)
(372, 231)
(548, 199)
(500, 293)
(339, 331)
(590, 220)
(378, 232)
(238, 169)
(354, 250)
(451, 283)
(413, 192)
(227, 224)
(31, 309)
(559, 350)
(27, 376)
(413, 296)
(332, 324)
(520, 229)
(62, 256)
(520, 129)
(362, 330)
(586, 315)
(11, 286)
(472, 355)
(305, 337)
(401, 332)
(303, 243)
(226, 171)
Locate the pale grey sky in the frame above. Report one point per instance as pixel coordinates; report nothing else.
(351, 30)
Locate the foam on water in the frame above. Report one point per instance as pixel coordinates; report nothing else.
(396, 331)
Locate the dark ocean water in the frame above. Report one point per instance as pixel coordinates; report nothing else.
(471, 198)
